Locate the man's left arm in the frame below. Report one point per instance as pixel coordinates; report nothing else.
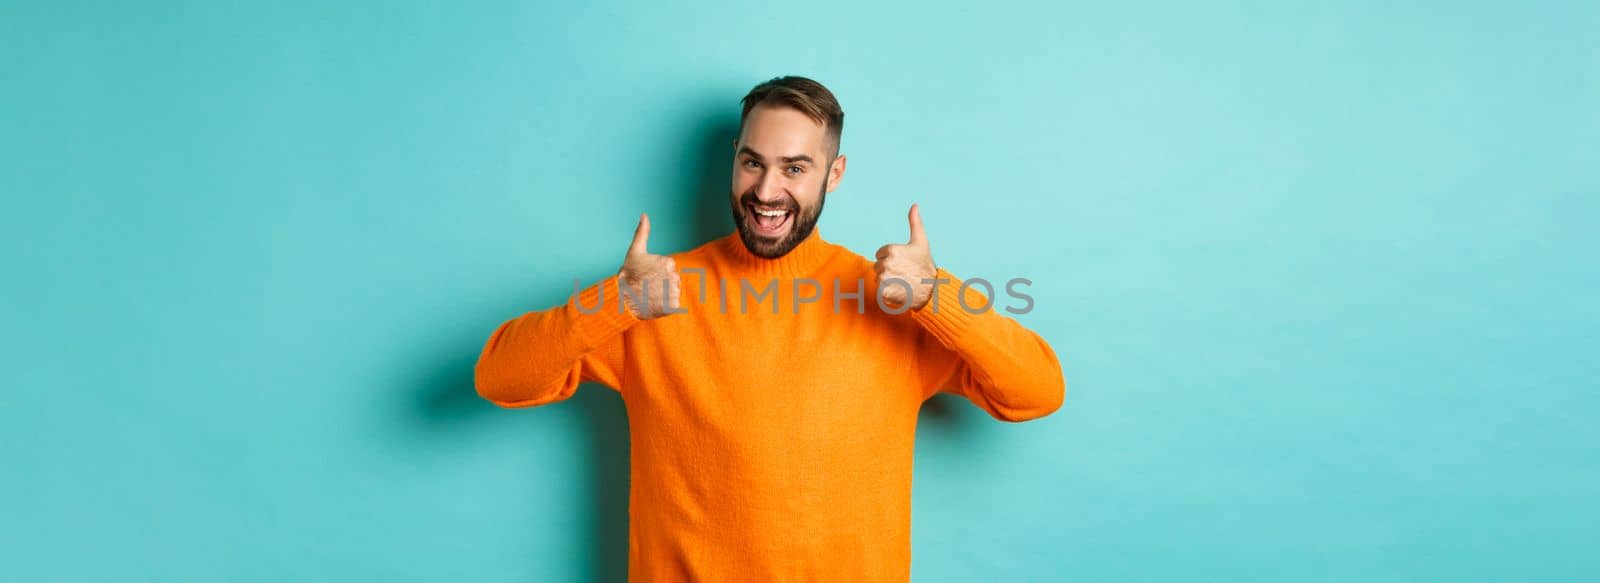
(989, 358)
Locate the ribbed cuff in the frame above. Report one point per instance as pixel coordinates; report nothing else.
(943, 316)
(598, 312)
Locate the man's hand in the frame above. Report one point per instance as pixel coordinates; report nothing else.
(640, 269)
(911, 263)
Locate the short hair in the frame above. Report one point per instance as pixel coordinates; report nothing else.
(805, 95)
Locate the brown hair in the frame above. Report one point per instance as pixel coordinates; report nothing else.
(805, 95)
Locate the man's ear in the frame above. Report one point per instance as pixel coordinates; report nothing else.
(836, 172)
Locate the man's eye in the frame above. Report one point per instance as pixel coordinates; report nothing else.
(796, 169)
(751, 163)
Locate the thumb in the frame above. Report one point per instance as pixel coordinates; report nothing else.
(917, 236)
(641, 236)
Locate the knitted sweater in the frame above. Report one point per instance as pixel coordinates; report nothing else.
(772, 440)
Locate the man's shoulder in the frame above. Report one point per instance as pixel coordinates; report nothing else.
(701, 257)
(844, 257)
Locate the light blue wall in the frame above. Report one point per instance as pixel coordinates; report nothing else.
(1322, 277)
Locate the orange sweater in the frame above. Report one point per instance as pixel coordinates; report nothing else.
(772, 446)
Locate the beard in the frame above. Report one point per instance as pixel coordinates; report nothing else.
(805, 221)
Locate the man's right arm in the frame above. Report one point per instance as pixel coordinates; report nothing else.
(541, 357)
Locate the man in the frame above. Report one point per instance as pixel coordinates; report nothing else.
(775, 444)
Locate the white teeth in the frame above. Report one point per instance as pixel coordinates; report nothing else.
(766, 213)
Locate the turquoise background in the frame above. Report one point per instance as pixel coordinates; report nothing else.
(1322, 277)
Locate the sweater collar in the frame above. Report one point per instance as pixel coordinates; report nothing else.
(801, 261)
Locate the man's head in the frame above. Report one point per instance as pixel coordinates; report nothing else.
(785, 161)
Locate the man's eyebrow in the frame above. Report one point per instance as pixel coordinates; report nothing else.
(784, 159)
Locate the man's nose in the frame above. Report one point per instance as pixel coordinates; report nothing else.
(769, 191)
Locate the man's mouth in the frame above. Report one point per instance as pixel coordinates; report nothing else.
(769, 221)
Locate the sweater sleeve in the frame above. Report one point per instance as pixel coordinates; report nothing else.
(541, 357)
(987, 357)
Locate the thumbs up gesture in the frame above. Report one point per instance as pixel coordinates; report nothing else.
(641, 269)
(911, 263)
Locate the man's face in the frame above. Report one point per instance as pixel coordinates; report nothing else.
(782, 171)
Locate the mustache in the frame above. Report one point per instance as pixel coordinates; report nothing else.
(749, 199)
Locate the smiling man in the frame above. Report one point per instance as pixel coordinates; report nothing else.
(775, 444)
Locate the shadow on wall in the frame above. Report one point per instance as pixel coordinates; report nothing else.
(709, 191)
(448, 400)
(447, 397)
